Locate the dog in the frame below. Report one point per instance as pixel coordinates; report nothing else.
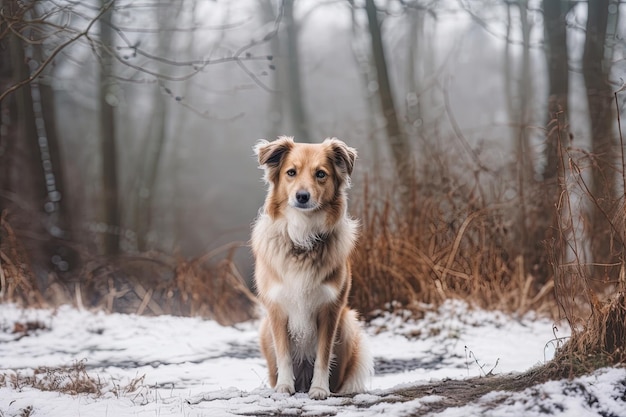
(302, 240)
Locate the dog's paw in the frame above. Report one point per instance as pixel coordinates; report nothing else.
(318, 393)
(285, 389)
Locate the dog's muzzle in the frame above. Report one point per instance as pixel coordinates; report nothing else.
(303, 200)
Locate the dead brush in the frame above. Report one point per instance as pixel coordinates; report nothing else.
(442, 241)
(72, 380)
(156, 283)
(17, 281)
(224, 296)
(151, 283)
(592, 296)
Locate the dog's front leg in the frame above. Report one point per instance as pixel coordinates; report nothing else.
(282, 347)
(326, 329)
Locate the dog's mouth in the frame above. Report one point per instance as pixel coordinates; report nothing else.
(308, 206)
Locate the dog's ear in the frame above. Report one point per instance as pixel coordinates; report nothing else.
(270, 154)
(343, 155)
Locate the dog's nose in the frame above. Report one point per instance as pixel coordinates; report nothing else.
(303, 197)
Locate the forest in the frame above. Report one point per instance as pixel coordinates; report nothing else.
(491, 161)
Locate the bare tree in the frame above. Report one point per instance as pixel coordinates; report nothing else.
(421, 74)
(398, 141)
(555, 35)
(108, 135)
(32, 186)
(597, 57)
(166, 17)
(22, 171)
(288, 113)
(518, 102)
(294, 91)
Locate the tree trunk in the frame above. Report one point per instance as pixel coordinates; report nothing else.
(151, 152)
(524, 156)
(294, 91)
(421, 97)
(60, 217)
(111, 237)
(156, 136)
(23, 184)
(59, 222)
(596, 68)
(400, 148)
(555, 33)
(365, 64)
(276, 100)
(549, 212)
(517, 103)
(31, 174)
(27, 179)
(414, 72)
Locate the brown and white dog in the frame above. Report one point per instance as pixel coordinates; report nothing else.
(302, 240)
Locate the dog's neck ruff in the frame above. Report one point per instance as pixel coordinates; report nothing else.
(306, 231)
(313, 244)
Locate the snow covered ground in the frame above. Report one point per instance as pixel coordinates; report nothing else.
(172, 366)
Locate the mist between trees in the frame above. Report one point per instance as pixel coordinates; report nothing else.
(487, 131)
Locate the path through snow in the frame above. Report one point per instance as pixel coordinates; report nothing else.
(194, 367)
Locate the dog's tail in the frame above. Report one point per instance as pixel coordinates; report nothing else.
(362, 369)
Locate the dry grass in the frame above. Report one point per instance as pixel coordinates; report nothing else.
(440, 243)
(71, 380)
(155, 283)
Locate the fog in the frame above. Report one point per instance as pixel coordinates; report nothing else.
(197, 83)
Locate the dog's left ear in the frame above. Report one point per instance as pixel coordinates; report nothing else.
(343, 155)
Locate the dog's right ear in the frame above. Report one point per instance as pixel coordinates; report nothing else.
(271, 154)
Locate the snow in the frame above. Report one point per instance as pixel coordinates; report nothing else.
(176, 366)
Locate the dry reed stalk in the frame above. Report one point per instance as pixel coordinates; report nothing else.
(445, 242)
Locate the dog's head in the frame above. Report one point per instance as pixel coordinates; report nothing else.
(305, 177)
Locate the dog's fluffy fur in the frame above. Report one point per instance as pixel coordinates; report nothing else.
(302, 240)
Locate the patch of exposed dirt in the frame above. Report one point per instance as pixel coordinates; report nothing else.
(453, 393)
(457, 392)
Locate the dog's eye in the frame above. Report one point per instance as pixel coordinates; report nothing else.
(320, 174)
(291, 172)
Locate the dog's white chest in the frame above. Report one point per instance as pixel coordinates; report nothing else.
(302, 303)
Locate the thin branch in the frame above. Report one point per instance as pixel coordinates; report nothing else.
(267, 37)
(187, 29)
(54, 53)
(485, 25)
